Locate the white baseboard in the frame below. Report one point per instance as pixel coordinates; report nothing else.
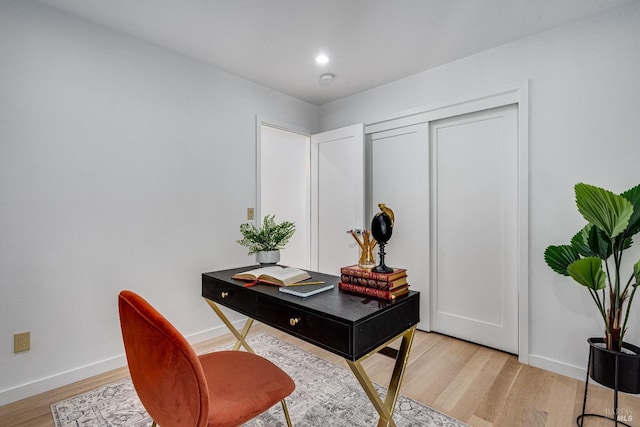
(42, 385)
(561, 368)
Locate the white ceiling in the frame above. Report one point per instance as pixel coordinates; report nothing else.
(370, 42)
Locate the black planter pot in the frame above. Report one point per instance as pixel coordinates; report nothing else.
(603, 366)
(617, 370)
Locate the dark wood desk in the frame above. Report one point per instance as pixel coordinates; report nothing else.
(348, 325)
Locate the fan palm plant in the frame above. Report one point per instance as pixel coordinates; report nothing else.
(612, 220)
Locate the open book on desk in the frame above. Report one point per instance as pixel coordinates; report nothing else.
(273, 275)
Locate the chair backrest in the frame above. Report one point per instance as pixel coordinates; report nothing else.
(165, 370)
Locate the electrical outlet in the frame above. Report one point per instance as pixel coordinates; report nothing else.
(250, 214)
(21, 342)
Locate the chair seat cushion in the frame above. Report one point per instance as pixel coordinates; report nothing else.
(241, 386)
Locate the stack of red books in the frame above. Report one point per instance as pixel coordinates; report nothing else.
(387, 286)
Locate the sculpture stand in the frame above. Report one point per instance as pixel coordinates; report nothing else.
(382, 268)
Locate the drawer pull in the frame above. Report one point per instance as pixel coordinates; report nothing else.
(294, 321)
(224, 294)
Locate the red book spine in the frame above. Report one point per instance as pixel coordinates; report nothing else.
(372, 283)
(378, 293)
(354, 270)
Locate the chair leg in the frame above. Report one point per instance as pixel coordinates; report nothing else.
(286, 412)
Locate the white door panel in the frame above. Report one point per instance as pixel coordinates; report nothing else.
(399, 179)
(337, 196)
(474, 199)
(283, 188)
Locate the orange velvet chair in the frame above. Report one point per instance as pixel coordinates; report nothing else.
(181, 389)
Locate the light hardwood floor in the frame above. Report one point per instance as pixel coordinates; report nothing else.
(477, 385)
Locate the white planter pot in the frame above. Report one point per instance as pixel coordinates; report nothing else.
(268, 257)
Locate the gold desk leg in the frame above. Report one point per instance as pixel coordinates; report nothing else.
(240, 335)
(385, 409)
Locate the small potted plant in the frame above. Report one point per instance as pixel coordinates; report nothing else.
(267, 240)
(594, 260)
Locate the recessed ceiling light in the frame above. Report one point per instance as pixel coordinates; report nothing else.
(322, 59)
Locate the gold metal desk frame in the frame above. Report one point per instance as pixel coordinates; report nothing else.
(385, 409)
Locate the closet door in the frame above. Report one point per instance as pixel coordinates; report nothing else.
(337, 197)
(474, 199)
(400, 179)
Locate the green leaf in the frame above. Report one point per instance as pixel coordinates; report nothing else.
(599, 243)
(636, 272)
(604, 209)
(633, 196)
(588, 272)
(591, 241)
(580, 241)
(558, 258)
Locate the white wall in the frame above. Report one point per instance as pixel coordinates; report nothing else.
(584, 126)
(122, 165)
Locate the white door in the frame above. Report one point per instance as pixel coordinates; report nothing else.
(337, 197)
(474, 236)
(284, 187)
(400, 180)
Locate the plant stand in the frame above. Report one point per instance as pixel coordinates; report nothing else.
(621, 362)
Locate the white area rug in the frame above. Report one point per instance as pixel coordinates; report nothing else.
(325, 395)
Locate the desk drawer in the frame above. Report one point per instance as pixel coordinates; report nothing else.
(323, 332)
(232, 296)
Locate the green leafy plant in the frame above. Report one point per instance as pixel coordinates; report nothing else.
(612, 220)
(269, 237)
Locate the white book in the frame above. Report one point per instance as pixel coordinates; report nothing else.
(306, 290)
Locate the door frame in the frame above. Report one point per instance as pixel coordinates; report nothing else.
(516, 93)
